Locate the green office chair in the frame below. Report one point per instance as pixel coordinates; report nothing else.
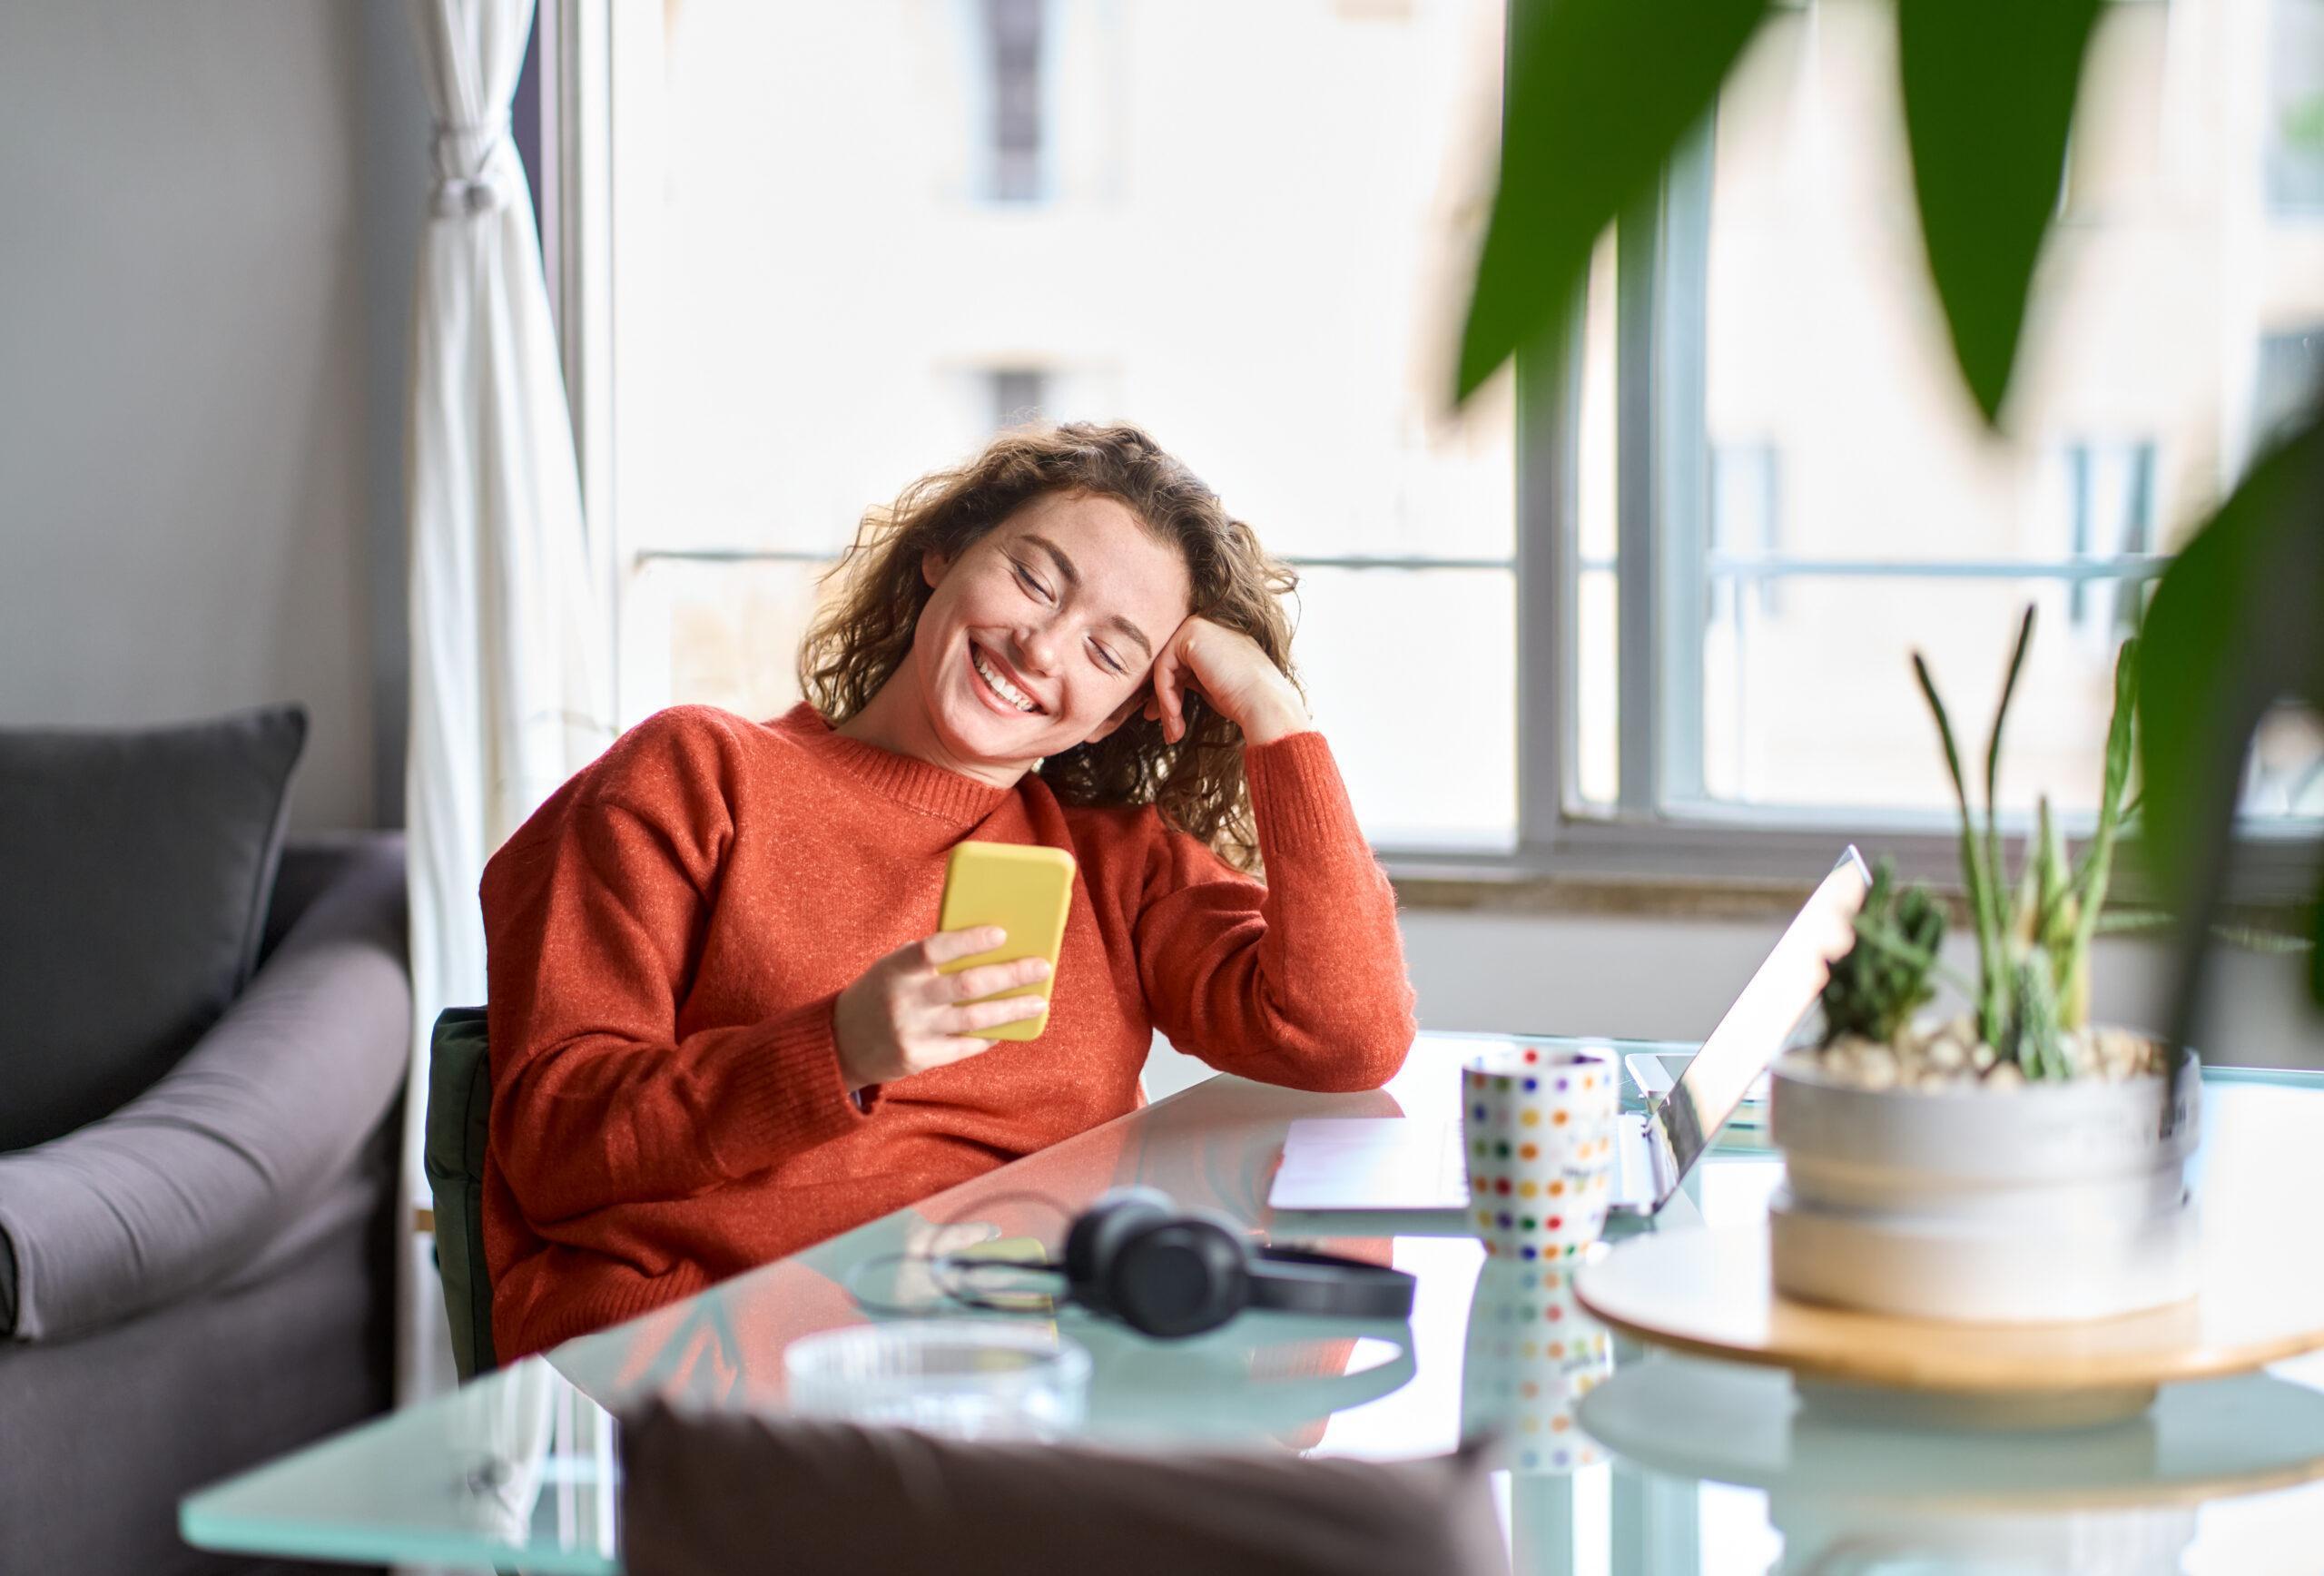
(459, 1099)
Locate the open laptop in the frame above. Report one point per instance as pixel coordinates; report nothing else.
(1398, 1163)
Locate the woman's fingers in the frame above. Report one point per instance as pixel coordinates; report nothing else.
(972, 1015)
(970, 983)
(1169, 681)
(950, 946)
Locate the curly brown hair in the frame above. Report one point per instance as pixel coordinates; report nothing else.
(862, 633)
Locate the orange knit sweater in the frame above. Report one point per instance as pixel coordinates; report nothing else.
(667, 934)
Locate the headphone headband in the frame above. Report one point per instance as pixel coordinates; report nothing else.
(1132, 1255)
(1293, 1280)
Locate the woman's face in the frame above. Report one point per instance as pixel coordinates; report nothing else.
(1042, 634)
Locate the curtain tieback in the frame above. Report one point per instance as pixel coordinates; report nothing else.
(475, 167)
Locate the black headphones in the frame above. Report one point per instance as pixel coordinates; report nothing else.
(1135, 1257)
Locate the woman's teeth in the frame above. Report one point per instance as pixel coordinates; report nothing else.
(1001, 687)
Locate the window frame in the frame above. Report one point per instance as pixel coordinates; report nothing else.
(1651, 837)
(1662, 831)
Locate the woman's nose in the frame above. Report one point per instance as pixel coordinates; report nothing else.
(1037, 644)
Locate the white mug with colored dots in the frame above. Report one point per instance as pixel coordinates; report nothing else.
(1537, 1127)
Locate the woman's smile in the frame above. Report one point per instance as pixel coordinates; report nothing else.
(994, 682)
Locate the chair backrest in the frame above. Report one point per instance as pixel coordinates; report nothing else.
(459, 1099)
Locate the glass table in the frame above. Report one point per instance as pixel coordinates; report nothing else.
(1668, 1465)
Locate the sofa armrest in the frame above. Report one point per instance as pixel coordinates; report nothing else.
(189, 1181)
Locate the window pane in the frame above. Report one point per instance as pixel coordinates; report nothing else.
(1597, 701)
(1597, 653)
(718, 633)
(1857, 510)
(1412, 674)
(1810, 696)
(852, 240)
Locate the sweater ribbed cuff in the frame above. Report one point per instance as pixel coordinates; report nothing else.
(1298, 801)
(793, 1094)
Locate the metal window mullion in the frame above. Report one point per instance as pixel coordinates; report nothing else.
(1679, 351)
(577, 213)
(1638, 549)
(1547, 549)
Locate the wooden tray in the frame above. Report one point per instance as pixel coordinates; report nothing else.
(1707, 1293)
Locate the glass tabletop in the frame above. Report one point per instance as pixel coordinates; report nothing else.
(1669, 1464)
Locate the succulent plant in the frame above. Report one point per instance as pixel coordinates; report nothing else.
(2034, 943)
(2033, 984)
(1884, 978)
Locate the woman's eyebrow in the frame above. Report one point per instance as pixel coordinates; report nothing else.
(1073, 578)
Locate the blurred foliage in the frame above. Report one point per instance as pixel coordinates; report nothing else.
(1988, 90)
(2302, 125)
(2237, 623)
(1599, 94)
(1879, 984)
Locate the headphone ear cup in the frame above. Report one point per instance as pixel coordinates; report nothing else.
(1178, 1275)
(1095, 1237)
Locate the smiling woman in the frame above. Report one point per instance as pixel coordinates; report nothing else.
(1087, 552)
(719, 1031)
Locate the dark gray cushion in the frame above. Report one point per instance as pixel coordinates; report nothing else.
(210, 1176)
(727, 1493)
(139, 864)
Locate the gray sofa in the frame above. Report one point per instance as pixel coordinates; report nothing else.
(204, 1279)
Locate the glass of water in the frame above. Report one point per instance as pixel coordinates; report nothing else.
(964, 1378)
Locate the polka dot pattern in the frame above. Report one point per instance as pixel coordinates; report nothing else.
(1538, 1125)
(1533, 1354)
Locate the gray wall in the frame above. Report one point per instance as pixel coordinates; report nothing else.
(1662, 979)
(192, 444)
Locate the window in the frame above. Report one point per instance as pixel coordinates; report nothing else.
(2295, 102)
(1019, 395)
(1013, 105)
(841, 245)
(848, 242)
(1780, 490)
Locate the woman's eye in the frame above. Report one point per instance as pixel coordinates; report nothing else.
(1032, 586)
(1112, 663)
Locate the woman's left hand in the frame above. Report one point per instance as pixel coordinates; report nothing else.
(1228, 669)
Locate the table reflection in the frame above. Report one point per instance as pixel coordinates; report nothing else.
(1848, 1493)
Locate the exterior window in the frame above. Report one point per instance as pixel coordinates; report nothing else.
(2295, 129)
(1019, 395)
(1801, 495)
(1012, 40)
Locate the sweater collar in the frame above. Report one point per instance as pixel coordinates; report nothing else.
(934, 791)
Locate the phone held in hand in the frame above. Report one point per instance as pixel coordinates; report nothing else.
(1025, 891)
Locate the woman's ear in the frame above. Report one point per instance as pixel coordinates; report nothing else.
(933, 564)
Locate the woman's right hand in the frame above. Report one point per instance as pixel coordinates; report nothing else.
(903, 1017)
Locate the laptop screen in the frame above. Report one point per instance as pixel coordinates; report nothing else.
(1755, 1029)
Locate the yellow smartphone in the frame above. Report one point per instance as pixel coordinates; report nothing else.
(1025, 891)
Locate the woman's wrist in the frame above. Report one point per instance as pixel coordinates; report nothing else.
(1276, 719)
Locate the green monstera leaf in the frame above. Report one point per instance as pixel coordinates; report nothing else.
(2237, 625)
(1599, 92)
(1989, 93)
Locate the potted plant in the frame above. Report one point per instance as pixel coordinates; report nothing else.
(2010, 1163)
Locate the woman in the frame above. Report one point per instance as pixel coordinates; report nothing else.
(718, 1031)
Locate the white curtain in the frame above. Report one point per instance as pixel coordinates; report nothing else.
(508, 695)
